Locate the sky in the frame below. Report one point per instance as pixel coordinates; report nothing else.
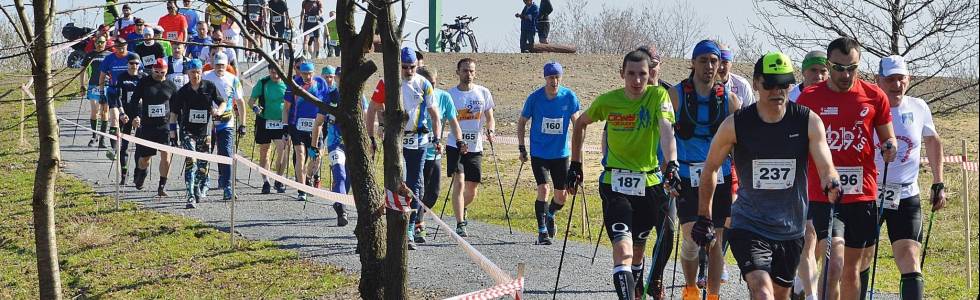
(496, 29)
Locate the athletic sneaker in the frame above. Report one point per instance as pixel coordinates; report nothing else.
(102, 142)
(161, 192)
(461, 229)
(301, 196)
(110, 154)
(702, 280)
(91, 142)
(550, 223)
(543, 239)
(266, 188)
(411, 240)
(691, 293)
(280, 188)
(191, 203)
(204, 189)
(341, 214)
(724, 276)
(420, 234)
(228, 194)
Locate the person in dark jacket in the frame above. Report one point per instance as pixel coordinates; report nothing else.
(544, 23)
(529, 22)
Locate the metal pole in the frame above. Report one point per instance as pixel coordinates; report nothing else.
(501, 185)
(561, 259)
(966, 219)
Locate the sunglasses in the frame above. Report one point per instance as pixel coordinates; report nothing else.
(134, 63)
(843, 68)
(775, 86)
(407, 67)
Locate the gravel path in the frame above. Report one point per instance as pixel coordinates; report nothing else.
(439, 267)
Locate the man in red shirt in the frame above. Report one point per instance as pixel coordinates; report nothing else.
(852, 110)
(174, 24)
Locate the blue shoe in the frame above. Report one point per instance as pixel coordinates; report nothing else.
(204, 189)
(228, 194)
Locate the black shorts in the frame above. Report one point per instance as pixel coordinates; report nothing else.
(470, 163)
(557, 168)
(265, 136)
(300, 137)
(313, 34)
(860, 230)
(154, 134)
(113, 99)
(756, 253)
(633, 216)
(905, 223)
(721, 206)
(819, 214)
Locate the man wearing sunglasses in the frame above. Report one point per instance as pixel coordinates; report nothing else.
(772, 141)
(419, 103)
(301, 114)
(853, 111)
(99, 107)
(701, 103)
(914, 127)
(121, 108)
(192, 108)
(152, 99)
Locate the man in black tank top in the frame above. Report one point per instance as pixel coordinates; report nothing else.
(771, 141)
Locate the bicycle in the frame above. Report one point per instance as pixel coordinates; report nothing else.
(456, 37)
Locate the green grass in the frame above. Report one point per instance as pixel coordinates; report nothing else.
(135, 253)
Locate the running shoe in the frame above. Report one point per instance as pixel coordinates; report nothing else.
(550, 223)
(266, 188)
(280, 188)
(461, 229)
(691, 293)
(341, 214)
(420, 234)
(543, 238)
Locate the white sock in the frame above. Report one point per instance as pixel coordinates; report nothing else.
(797, 285)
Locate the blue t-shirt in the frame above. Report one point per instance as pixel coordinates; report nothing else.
(694, 151)
(549, 122)
(131, 40)
(302, 108)
(447, 110)
(115, 66)
(195, 50)
(192, 18)
(331, 130)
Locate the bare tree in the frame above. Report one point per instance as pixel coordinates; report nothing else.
(935, 36)
(615, 30)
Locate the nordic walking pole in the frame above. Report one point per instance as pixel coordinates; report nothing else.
(251, 155)
(78, 114)
(925, 246)
(514, 190)
(826, 259)
(445, 203)
(500, 184)
(598, 239)
(564, 244)
(657, 247)
(881, 210)
(673, 279)
(703, 267)
(586, 221)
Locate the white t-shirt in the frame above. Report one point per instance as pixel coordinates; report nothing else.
(911, 120)
(206, 58)
(414, 91)
(229, 89)
(741, 88)
(795, 92)
(471, 105)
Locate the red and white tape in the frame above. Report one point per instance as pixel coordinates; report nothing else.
(166, 148)
(488, 266)
(514, 287)
(319, 193)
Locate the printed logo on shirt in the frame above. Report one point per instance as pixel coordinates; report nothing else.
(907, 118)
(829, 111)
(628, 122)
(865, 109)
(794, 135)
(842, 139)
(472, 111)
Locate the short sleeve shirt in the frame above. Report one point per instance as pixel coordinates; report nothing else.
(471, 106)
(912, 120)
(742, 88)
(550, 120)
(850, 119)
(632, 130)
(272, 94)
(229, 88)
(447, 111)
(174, 27)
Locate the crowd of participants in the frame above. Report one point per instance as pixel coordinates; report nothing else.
(781, 174)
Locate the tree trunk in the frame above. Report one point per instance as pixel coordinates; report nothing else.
(45, 238)
(396, 263)
(370, 225)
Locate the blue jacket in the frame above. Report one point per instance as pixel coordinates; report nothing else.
(529, 24)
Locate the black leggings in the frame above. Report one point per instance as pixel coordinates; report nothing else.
(431, 178)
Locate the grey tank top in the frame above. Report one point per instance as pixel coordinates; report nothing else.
(771, 161)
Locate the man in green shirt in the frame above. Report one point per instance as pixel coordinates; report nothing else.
(333, 39)
(111, 12)
(266, 101)
(638, 122)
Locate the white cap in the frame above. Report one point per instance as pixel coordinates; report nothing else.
(891, 65)
(220, 59)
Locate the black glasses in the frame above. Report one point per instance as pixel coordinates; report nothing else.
(775, 86)
(407, 67)
(843, 68)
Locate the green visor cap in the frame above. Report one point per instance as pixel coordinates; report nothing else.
(775, 68)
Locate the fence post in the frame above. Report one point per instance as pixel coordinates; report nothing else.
(966, 218)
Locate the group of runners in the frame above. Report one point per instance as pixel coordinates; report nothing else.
(781, 174)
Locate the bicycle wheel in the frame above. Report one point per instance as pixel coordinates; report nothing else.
(466, 42)
(422, 39)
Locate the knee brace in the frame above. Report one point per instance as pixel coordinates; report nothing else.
(689, 250)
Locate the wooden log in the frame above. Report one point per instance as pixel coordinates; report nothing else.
(552, 48)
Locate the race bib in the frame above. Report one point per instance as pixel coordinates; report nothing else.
(149, 60)
(551, 126)
(178, 79)
(95, 90)
(277, 19)
(337, 156)
(629, 183)
(311, 19)
(696, 169)
(470, 137)
(890, 195)
(851, 180)
(409, 141)
(198, 116)
(157, 110)
(254, 17)
(172, 35)
(304, 124)
(273, 124)
(129, 97)
(773, 174)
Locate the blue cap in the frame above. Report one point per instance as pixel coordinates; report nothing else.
(195, 64)
(706, 47)
(328, 70)
(408, 56)
(307, 66)
(552, 68)
(727, 55)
